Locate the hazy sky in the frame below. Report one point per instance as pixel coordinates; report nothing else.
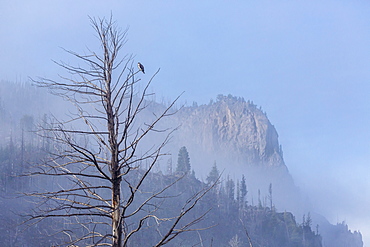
(307, 63)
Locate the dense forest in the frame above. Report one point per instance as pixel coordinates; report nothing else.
(231, 220)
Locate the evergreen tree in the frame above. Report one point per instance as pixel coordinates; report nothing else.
(230, 189)
(308, 221)
(183, 161)
(270, 195)
(213, 175)
(238, 201)
(243, 191)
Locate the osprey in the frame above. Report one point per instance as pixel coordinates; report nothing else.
(141, 67)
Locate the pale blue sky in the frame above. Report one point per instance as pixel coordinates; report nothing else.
(307, 63)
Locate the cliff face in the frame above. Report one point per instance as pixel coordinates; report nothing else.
(232, 128)
(240, 139)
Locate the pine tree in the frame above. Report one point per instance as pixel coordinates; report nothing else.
(243, 191)
(230, 189)
(183, 161)
(238, 201)
(270, 196)
(213, 175)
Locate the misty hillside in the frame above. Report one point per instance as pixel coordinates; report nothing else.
(230, 222)
(237, 136)
(230, 133)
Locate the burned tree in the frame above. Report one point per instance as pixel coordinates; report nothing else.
(98, 161)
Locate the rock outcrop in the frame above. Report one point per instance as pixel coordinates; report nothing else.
(238, 136)
(233, 129)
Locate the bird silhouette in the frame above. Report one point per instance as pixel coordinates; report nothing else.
(141, 67)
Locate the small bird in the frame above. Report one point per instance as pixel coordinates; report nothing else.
(141, 67)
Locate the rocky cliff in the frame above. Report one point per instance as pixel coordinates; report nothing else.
(232, 128)
(237, 136)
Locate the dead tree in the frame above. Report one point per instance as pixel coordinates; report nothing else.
(98, 156)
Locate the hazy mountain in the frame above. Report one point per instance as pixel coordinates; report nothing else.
(231, 132)
(239, 138)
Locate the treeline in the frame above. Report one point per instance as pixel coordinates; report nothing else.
(230, 219)
(238, 222)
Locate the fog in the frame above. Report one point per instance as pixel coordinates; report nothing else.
(305, 63)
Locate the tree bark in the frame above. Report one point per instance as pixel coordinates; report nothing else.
(114, 163)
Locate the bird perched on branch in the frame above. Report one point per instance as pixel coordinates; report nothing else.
(141, 67)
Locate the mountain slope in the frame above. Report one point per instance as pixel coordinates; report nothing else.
(230, 131)
(240, 139)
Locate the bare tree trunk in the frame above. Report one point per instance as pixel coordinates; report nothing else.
(116, 214)
(92, 171)
(116, 195)
(112, 125)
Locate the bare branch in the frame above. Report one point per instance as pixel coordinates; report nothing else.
(96, 162)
